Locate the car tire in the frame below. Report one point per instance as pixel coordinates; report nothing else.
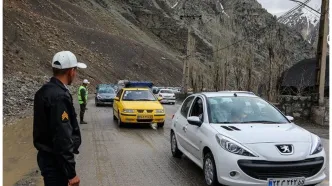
(114, 117)
(209, 169)
(174, 147)
(120, 123)
(160, 125)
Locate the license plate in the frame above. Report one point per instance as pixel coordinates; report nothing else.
(286, 181)
(144, 117)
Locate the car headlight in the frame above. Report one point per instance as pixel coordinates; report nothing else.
(160, 111)
(99, 97)
(128, 111)
(232, 146)
(317, 146)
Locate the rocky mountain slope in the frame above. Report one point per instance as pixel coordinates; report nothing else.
(144, 40)
(304, 20)
(112, 47)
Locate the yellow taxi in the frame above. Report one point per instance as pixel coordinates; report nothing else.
(138, 105)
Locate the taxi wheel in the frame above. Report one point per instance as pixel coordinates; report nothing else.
(160, 125)
(120, 123)
(114, 117)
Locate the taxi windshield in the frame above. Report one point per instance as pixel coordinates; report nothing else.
(138, 95)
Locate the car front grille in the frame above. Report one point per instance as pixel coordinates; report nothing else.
(106, 100)
(141, 111)
(263, 170)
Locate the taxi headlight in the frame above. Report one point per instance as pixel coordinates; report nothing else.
(128, 111)
(160, 111)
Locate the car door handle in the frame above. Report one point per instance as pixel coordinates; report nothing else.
(184, 129)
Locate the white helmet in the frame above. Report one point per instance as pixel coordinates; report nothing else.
(85, 81)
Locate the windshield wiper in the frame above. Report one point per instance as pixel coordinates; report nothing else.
(145, 100)
(261, 121)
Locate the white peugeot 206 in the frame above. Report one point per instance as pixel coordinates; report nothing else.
(238, 138)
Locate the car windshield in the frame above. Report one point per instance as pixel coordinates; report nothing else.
(243, 110)
(106, 90)
(138, 95)
(166, 91)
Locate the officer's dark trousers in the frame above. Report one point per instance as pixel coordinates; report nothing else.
(50, 170)
(82, 111)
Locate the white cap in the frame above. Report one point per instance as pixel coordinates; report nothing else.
(85, 81)
(66, 59)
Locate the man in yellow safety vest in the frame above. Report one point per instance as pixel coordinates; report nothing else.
(82, 99)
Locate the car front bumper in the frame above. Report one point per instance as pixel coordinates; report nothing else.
(167, 100)
(133, 118)
(104, 101)
(244, 177)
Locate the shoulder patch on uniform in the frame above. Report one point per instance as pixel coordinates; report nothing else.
(65, 116)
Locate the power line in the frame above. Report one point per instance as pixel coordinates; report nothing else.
(304, 4)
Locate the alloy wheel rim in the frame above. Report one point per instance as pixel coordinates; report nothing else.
(208, 171)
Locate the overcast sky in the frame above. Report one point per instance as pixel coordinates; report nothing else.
(278, 6)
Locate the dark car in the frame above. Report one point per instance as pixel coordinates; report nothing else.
(105, 95)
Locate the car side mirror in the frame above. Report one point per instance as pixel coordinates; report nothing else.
(290, 118)
(117, 99)
(194, 120)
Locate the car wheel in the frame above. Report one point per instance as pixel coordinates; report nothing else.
(210, 173)
(174, 147)
(160, 125)
(120, 123)
(114, 117)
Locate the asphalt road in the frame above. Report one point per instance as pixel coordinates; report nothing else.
(134, 155)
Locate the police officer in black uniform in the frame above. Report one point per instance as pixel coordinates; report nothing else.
(56, 133)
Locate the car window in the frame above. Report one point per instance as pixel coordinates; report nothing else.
(106, 90)
(186, 105)
(166, 91)
(242, 110)
(197, 108)
(138, 95)
(119, 93)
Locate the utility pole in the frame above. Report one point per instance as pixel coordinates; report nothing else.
(190, 48)
(321, 52)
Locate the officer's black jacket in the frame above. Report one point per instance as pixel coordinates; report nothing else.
(55, 127)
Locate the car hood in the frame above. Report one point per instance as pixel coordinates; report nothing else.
(107, 95)
(263, 133)
(147, 105)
